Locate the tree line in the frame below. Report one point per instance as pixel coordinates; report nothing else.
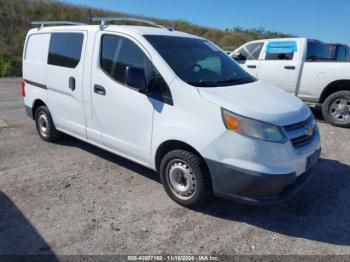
(15, 17)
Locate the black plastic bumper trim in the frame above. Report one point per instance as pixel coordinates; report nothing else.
(254, 188)
(29, 112)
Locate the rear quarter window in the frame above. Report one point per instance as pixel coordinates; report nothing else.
(65, 49)
(317, 51)
(37, 48)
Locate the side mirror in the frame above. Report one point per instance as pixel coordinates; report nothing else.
(135, 77)
(237, 56)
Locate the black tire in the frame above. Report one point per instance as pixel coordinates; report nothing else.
(327, 109)
(183, 159)
(43, 118)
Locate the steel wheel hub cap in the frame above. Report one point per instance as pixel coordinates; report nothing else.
(182, 180)
(43, 123)
(340, 109)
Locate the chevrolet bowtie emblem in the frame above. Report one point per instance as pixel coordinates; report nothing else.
(309, 131)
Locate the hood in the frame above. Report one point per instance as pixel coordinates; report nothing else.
(259, 101)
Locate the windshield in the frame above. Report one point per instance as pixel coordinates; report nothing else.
(198, 62)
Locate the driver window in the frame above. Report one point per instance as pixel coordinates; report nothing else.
(250, 52)
(157, 85)
(118, 52)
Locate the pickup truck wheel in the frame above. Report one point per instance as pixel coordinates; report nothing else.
(336, 109)
(185, 178)
(44, 124)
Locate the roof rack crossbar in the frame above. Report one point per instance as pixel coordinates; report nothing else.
(103, 20)
(43, 23)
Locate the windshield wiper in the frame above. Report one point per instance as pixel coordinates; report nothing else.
(240, 80)
(229, 81)
(202, 83)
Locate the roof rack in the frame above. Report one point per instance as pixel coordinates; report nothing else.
(43, 23)
(103, 20)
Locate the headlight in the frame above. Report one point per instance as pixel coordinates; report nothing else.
(253, 128)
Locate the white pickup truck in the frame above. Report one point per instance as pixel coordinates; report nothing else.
(304, 68)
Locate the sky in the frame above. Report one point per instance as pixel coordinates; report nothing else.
(326, 20)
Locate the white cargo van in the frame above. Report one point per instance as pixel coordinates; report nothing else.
(173, 102)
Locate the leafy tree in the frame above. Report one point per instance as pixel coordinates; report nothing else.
(16, 14)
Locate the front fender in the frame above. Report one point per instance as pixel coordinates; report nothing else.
(188, 136)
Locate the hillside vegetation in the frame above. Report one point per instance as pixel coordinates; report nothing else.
(16, 14)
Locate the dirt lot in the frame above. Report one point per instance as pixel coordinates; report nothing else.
(73, 198)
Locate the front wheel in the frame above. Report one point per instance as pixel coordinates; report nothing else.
(185, 178)
(336, 109)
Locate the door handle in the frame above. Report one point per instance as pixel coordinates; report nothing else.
(290, 67)
(251, 66)
(72, 83)
(100, 90)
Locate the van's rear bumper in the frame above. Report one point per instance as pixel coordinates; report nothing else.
(29, 111)
(254, 188)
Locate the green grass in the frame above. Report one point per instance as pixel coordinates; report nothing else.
(16, 14)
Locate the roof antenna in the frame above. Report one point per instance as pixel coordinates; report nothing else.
(29, 22)
(89, 16)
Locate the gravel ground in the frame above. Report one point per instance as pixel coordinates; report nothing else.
(72, 198)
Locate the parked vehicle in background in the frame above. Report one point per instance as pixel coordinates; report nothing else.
(339, 52)
(303, 67)
(173, 102)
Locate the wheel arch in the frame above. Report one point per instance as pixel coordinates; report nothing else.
(170, 145)
(333, 87)
(38, 102)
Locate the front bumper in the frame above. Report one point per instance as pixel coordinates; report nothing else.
(256, 188)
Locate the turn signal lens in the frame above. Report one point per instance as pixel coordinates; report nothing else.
(232, 123)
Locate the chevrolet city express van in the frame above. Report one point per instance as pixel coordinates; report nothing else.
(173, 102)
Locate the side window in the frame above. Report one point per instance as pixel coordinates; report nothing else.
(157, 85)
(281, 50)
(342, 54)
(331, 51)
(347, 54)
(65, 49)
(317, 51)
(251, 51)
(118, 52)
(280, 56)
(37, 48)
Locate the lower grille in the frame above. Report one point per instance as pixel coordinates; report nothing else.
(301, 141)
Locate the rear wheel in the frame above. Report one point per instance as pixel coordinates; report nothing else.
(185, 178)
(336, 109)
(44, 124)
